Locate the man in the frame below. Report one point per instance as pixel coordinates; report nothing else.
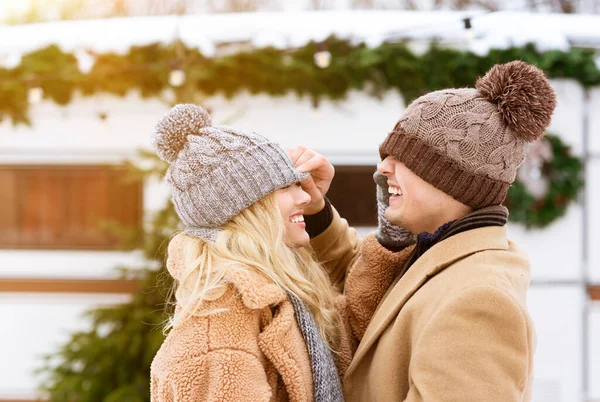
(453, 325)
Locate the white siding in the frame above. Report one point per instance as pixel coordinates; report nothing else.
(348, 132)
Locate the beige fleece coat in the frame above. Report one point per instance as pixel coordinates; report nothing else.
(254, 351)
(455, 327)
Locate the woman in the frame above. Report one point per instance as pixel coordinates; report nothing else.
(255, 318)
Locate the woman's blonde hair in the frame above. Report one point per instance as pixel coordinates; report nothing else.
(255, 240)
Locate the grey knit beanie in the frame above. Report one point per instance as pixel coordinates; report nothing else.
(217, 171)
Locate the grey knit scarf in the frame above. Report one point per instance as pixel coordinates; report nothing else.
(326, 381)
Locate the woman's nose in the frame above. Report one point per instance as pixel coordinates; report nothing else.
(303, 198)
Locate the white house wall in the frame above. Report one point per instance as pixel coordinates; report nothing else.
(593, 186)
(53, 264)
(557, 312)
(594, 107)
(348, 133)
(34, 325)
(593, 241)
(593, 202)
(555, 252)
(594, 351)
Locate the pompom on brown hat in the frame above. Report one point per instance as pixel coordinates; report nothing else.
(469, 142)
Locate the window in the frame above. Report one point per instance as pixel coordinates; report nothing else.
(352, 193)
(63, 207)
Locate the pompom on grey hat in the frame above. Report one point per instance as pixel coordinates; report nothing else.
(216, 172)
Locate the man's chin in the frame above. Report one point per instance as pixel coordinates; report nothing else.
(394, 217)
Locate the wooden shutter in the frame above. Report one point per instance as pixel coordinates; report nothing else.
(64, 206)
(352, 193)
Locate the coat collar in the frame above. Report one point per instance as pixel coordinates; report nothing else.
(256, 290)
(436, 259)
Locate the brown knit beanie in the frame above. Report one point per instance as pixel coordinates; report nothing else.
(469, 142)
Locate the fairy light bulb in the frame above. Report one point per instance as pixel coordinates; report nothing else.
(10, 60)
(85, 61)
(323, 59)
(35, 95)
(176, 78)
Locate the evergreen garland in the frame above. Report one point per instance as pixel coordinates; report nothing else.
(272, 71)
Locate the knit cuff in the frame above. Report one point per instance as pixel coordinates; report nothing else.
(470, 188)
(319, 222)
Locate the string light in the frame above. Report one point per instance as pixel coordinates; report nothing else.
(85, 61)
(35, 95)
(468, 28)
(11, 60)
(176, 77)
(323, 59)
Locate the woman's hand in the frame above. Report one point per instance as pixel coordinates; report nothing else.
(321, 174)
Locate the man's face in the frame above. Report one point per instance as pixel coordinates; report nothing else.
(415, 204)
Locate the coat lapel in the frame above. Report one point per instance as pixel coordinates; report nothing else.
(285, 348)
(428, 265)
(280, 339)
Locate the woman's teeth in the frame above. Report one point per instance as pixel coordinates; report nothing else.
(394, 190)
(297, 219)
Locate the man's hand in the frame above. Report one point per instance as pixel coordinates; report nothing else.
(321, 175)
(389, 235)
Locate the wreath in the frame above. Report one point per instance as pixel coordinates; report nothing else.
(547, 183)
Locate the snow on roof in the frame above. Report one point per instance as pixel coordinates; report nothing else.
(292, 29)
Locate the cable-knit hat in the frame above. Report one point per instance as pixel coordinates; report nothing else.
(469, 142)
(217, 171)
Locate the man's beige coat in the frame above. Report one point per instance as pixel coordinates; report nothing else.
(454, 328)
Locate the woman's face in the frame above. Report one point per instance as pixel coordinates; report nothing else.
(291, 201)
